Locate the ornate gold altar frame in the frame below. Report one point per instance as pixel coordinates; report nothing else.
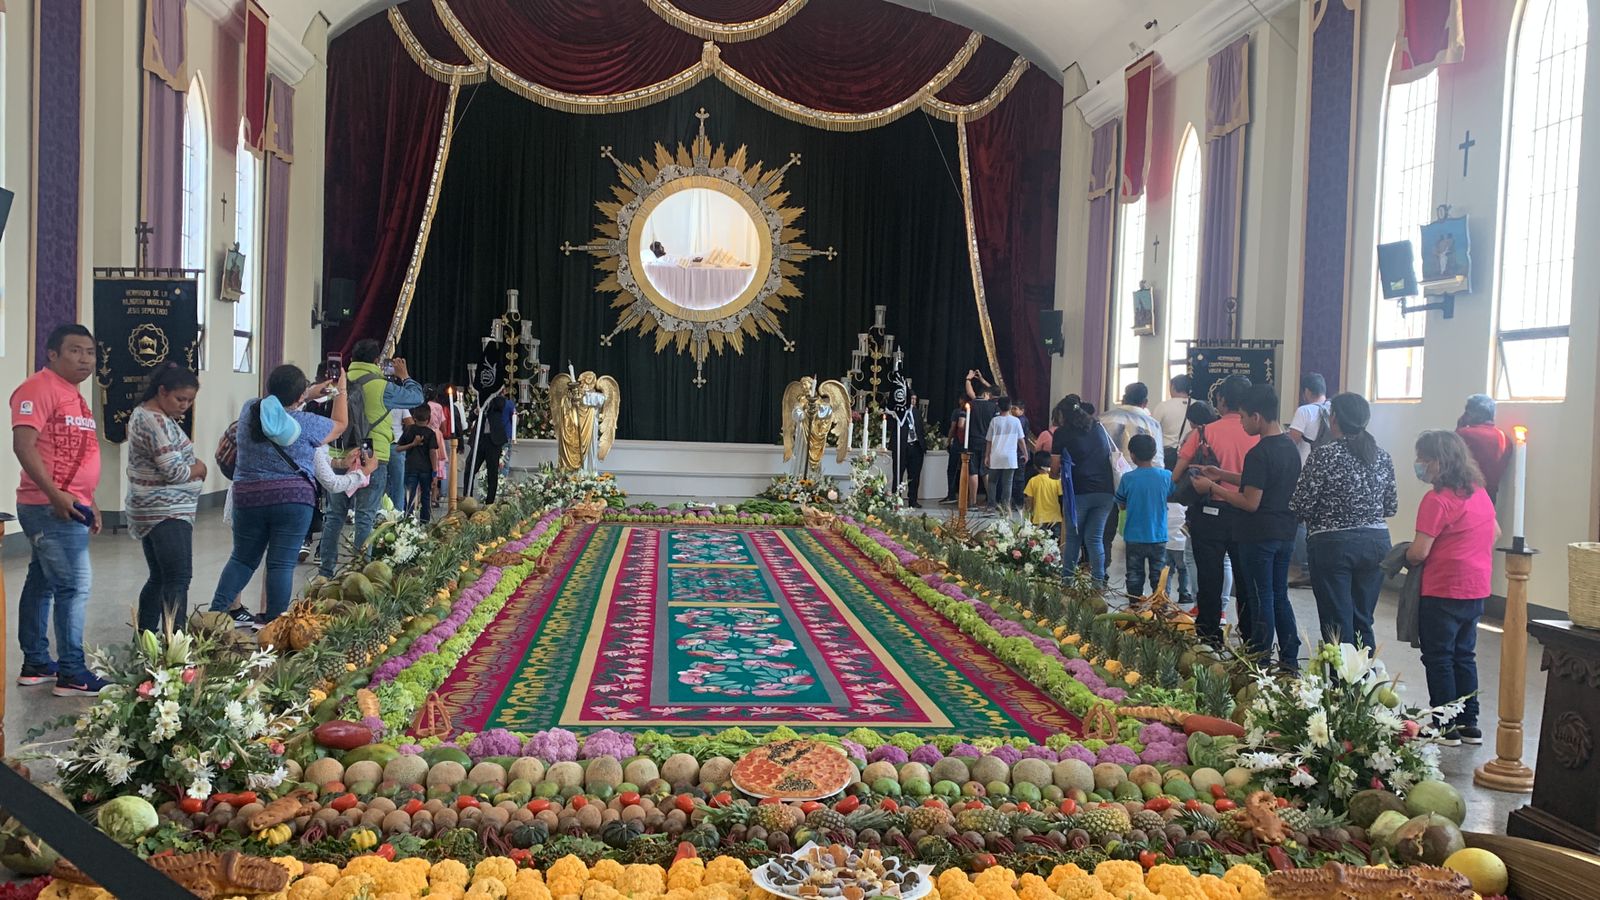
(619, 248)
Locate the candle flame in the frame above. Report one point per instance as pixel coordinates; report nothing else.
(1520, 433)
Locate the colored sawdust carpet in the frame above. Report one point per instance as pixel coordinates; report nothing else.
(685, 629)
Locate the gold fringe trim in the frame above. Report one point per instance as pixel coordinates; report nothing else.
(408, 288)
(984, 325)
(950, 112)
(726, 32)
(155, 59)
(837, 121)
(433, 68)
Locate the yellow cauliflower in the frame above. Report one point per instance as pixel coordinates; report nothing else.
(447, 891)
(1248, 882)
(527, 888)
(497, 867)
(608, 871)
(350, 887)
(1116, 875)
(447, 871)
(1217, 889)
(686, 874)
(309, 887)
(328, 872)
(570, 867)
(396, 895)
(1033, 887)
(490, 885)
(726, 869)
(642, 881)
(289, 864)
(953, 884)
(1174, 882)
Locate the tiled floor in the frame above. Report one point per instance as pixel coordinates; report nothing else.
(120, 571)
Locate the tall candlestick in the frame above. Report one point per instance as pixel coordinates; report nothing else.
(966, 424)
(511, 299)
(884, 433)
(1520, 460)
(877, 316)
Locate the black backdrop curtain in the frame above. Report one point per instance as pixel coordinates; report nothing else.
(522, 179)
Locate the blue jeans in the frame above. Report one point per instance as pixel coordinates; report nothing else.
(1142, 557)
(365, 503)
(395, 481)
(1178, 562)
(1088, 532)
(58, 573)
(419, 494)
(1346, 580)
(1000, 489)
(1449, 643)
(275, 530)
(1267, 563)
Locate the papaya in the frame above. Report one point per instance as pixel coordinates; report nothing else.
(378, 753)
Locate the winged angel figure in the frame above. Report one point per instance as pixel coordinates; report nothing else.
(585, 410)
(811, 410)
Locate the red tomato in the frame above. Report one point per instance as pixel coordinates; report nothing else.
(1223, 804)
(847, 806)
(810, 806)
(1068, 806)
(722, 799)
(1218, 791)
(466, 801)
(888, 805)
(412, 807)
(521, 857)
(538, 806)
(684, 803)
(628, 798)
(1024, 806)
(344, 802)
(386, 851)
(935, 803)
(1191, 804)
(1147, 858)
(1158, 804)
(191, 805)
(1283, 802)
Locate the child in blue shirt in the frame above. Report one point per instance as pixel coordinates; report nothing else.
(1143, 493)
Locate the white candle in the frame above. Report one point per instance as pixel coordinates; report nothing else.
(885, 432)
(511, 299)
(850, 435)
(1520, 435)
(966, 424)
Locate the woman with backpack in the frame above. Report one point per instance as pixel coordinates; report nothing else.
(164, 482)
(1345, 493)
(1086, 449)
(274, 487)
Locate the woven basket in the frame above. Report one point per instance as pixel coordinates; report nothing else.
(1583, 584)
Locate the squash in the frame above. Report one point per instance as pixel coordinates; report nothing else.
(531, 834)
(340, 734)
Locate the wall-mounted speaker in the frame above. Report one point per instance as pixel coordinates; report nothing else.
(1050, 331)
(5, 208)
(338, 302)
(1397, 270)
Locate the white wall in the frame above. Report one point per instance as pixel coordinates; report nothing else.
(113, 80)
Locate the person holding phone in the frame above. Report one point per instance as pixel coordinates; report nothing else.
(54, 437)
(273, 489)
(163, 491)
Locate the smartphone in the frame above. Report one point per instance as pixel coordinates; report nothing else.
(87, 512)
(332, 367)
(388, 368)
(366, 446)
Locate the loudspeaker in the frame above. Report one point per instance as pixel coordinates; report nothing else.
(1397, 270)
(338, 302)
(1050, 331)
(5, 208)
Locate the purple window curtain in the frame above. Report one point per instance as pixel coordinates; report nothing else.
(1097, 286)
(58, 106)
(1222, 188)
(279, 144)
(166, 78)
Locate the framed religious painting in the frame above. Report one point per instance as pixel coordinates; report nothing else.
(232, 287)
(1144, 310)
(1446, 256)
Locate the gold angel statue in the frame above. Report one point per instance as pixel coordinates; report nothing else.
(585, 409)
(810, 411)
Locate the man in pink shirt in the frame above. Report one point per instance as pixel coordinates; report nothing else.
(1490, 447)
(55, 439)
(1211, 522)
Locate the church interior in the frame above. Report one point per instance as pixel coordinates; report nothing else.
(799, 448)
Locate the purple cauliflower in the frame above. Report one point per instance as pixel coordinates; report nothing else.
(606, 742)
(853, 749)
(1117, 753)
(965, 750)
(554, 745)
(927, 754)
(1079, 752)
(889, 753)
(1040, 751)
(1006, 754)
(1161, 752)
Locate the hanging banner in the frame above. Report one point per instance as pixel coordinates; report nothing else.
(1136, 126)
(140, 323)
(255, 72)
(490, 375)
(1210, 365)
(1431, 35)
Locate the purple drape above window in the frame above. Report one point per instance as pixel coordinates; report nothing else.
(166, 78)
(58, 184)
(1097, 286)
(279, 142)
(1222, 188)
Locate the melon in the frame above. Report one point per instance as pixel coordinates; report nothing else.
(324, 770)
(951, 768)
(565, 774)
(406, 770)
(364, 770)
(1204, 778)
(716, 770)
(603, 770)
(914, 772)
(991, 768)
(640, 770)
(1486, 871)
(879, 770)
(356, 588)
(527, 768)
(1108, 775)
(447, 773)
(1436, 797)
(488, 773)
(1036, 772)
(680, 768)
(1074, 774)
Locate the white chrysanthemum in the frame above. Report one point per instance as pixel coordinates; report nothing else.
(1259, 760)
(147, 791)
(168, 721)
(1302, 778)
(262, 781)
(1309, 691)
(1382, 760)
(200, 787)
(1317, 729)
(233, 714)
(118, 768)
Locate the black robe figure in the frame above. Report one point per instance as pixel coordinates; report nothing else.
(906, 444)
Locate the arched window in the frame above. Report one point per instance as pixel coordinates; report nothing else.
(1535, 290)
(1405, 204)
(247, 216)
(1130, 271)
(1185, 278)
(196, 197)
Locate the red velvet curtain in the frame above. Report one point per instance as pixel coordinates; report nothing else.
(1015, 158)
(990, 64)
(728, 12)
(593, 47)
(383, 130)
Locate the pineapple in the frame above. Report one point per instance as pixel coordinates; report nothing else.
(928, 818)
(934, 849)
(983, 820)
(736, 813)
(1194, 820)
(825, 820)
(777, 817)
(864, 819)
(1148, 821)
(1103, 821)
(1034, 822)
(1236, 825)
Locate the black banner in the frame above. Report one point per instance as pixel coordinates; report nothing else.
(1210, 365)
(140, 323)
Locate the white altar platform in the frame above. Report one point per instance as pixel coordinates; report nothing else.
(690, 470)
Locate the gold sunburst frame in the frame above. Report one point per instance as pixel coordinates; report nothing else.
(618, 247)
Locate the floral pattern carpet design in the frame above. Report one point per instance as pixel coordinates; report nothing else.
(682, 629)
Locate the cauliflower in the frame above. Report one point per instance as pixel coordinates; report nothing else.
(642, 880)
(1035, 888)
(528, 888)
(686, 874)
(1248, 882)
(497, 867)
(489, 887)
(328, 872)
(1117, 876)
(447, 871)
(726, 869)
(308, 888)
(1215, 888)
(350, 887)
(606, 871)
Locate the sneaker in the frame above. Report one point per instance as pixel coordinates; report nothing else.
(259, 621)
(1452, 738)
(1470, 734)
(1194, 613)
(305, 551)
(85, 685)
(948, 501)
(243, 618)
(36, 675)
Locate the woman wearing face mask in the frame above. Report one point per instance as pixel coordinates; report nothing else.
(1345, 493)
(164, 482)
(1456, 531)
